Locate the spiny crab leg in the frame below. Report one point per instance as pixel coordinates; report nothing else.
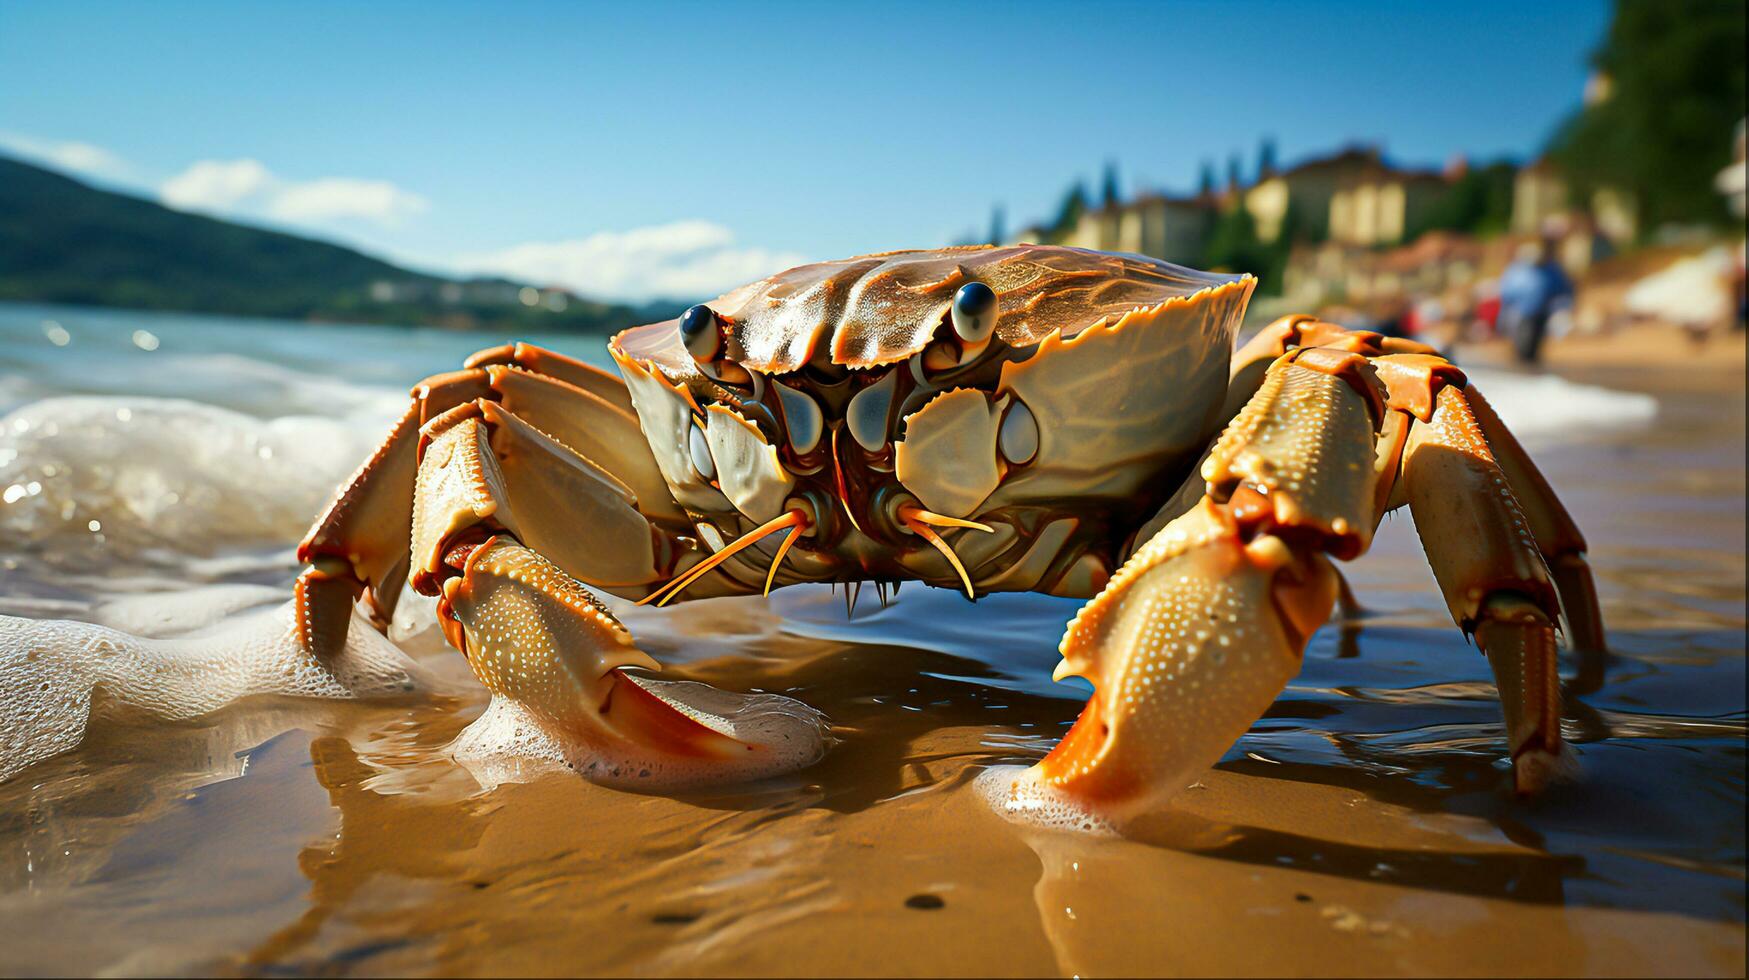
(1202, 628)
(534, 635)
(789, 519)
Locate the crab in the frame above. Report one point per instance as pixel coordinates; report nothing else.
(1025, 418)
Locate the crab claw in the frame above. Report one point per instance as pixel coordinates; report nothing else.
(1187, 647)
(534, 635)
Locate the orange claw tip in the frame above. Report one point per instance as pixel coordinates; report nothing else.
(1078, 766)
(649, 721)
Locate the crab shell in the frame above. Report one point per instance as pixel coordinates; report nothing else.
(842, 387)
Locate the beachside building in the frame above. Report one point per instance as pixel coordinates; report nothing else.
(1539, 197)
(1307, 189)
(1542, 204)
(1172, 228)
(1380, 204)
(1354, 198)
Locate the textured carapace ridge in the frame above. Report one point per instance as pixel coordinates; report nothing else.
(877, 309)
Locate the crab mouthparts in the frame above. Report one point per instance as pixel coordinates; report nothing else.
(796, 521)
(839, 481)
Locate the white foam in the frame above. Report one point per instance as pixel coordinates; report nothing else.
(1544, 408)
(508, 743)
(50, 671)
(1013, 792)
(135, 473)
(184, 611)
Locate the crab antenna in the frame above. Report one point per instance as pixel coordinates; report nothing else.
(782, 549)
(927, 533)
(930, 517)
(788, 519)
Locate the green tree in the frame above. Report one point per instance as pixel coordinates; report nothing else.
(1266, 159)
(998, 226)
(1108, 187)
(1234, 247)
(1069, 212)
(1677, 74)
(1478, 203)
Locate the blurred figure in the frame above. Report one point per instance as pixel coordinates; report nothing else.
(1531, 289)
(1485, 314)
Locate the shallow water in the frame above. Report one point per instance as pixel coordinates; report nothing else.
(1361, 827)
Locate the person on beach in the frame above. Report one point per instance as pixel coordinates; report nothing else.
(1532, 288)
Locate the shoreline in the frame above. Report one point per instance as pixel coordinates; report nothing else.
(1718, 355)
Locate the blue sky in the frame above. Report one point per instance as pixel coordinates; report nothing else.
(640, 150)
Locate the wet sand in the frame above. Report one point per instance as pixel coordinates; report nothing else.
(1654, 348)
(1364, 826)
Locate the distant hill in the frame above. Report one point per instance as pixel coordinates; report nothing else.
(63, 241)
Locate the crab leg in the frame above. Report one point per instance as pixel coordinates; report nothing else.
(535, 635)
(359, 544)
(484, 539)
(1403, 364)
(538, 360)
(1557, 536)
(358, 547)
(1477, 538)
(1203, 627)
(1205, 624)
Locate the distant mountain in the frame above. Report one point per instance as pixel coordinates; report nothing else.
(63, 241)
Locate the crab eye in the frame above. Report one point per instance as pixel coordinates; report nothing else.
(700, 449)
(974, 311)
(702, 333)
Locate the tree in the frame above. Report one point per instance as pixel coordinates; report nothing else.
(1108, 189)
(1676, 71)
(1069, 212)
(1266, 159)
(1234, 247)
(1478, 203)
(998, 226)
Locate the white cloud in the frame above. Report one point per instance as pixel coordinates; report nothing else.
(247, 187)
(216, 185)
(346, 197)
(679, 260)
(81, 158)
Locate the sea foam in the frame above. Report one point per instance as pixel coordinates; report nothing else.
(508, 743)
(53, 671)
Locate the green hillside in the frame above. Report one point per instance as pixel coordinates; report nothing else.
(65, 242)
